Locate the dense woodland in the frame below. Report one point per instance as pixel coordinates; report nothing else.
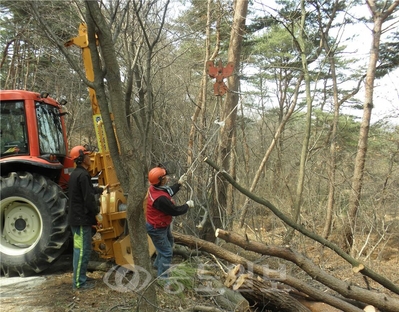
(292, 151)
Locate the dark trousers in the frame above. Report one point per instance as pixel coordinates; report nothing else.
(81, 253)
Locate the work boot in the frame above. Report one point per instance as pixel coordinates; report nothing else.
(85, 286)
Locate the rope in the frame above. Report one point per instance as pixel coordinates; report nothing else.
(192, 169)
(221, 124)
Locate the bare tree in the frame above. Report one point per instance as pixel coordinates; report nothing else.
(275, 140)
(127, 160)
(309, 100)
(330, 47)
(228, 114)
(151, 38)
(380, 12)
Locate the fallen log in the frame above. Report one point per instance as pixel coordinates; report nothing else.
(224, 297)
(196, 243)
(271, 295)
(261, 292)
(347, 290)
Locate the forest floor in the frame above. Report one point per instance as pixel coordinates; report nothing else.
(52, 290)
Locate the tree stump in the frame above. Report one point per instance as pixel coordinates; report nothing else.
(224, 297)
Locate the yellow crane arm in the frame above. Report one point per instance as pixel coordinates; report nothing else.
(82, 42)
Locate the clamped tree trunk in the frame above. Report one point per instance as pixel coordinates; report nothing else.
(219, 72)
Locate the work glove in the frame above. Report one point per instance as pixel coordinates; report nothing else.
(182, 179)
(190, 203)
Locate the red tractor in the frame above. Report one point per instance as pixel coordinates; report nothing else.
(35, 169)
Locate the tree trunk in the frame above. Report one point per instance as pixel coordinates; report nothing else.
(357, 180)
(129, 170)
(296, 209)
(198, 119)
(276, 138)
(136, 224)
(198, 124)
(228, 113)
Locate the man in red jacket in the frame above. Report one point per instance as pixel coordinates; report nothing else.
(160, 211)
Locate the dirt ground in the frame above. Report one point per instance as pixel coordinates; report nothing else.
(52, 292)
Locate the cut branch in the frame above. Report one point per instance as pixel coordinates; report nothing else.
(225, 298)
(263, 293)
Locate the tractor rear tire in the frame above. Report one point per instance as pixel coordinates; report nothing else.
(33, 223)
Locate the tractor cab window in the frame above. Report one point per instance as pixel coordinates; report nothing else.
(50, 129)
(13, 137)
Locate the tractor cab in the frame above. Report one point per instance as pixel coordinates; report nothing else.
(32, 134)
(30, 125)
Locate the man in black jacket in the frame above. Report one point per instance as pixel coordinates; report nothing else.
(83, 209)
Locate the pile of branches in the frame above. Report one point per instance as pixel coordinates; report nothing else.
(268, 288)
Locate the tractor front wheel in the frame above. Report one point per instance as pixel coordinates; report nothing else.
(33, 223)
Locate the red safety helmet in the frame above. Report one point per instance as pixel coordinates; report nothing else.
(78, 151)
(156, 174)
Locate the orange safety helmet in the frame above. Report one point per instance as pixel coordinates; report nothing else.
(156, 174)
(78, 152)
